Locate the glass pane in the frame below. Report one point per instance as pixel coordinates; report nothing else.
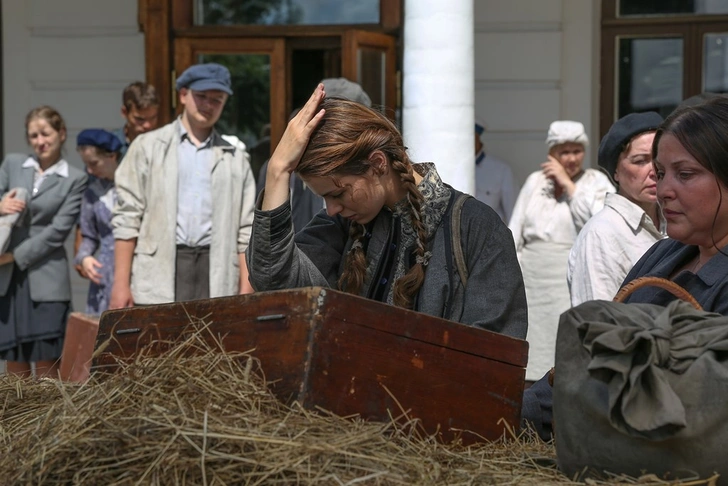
(671, 7)
(628, 8)
(247, 113)
(715, 63)
(286, 12)
(649, 75)
(371, 64)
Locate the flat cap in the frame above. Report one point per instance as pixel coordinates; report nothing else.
(97, 137)
(479, 127)
(204, 77)
(620, 134)
(343, 88)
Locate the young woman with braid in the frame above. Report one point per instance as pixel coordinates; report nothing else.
(385, 231)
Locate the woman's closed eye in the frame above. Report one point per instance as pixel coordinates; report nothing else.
(641, 160)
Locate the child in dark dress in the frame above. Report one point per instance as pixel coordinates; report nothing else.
(100, 151)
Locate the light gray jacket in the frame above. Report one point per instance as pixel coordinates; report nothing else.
(37, 241)
(146, 209)
(493, 299)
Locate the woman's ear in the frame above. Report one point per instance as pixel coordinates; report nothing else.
(379, 163)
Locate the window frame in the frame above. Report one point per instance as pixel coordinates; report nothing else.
(164, 21)
(691, 28)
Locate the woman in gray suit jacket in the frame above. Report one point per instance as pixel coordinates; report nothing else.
(35, 285)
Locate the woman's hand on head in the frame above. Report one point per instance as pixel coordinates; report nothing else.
(289, 150)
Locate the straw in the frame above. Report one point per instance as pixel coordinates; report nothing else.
(199, 415)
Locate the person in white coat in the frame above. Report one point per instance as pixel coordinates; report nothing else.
(185, 201)
(494, 183)
(630, 223)
(553, 206)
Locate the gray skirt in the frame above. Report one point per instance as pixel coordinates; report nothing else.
(30, 331)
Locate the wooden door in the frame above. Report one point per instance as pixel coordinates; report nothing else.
(369, 58)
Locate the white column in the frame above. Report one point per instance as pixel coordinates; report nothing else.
(438, 86)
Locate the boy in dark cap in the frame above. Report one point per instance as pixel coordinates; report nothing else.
(183, 217)
(494, 183)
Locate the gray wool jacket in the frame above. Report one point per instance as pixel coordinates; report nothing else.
(494, 297)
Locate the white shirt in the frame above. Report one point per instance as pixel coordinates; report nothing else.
(538, 216)
(194, 190)
(607, 248)
(60, 168)
(494, 185)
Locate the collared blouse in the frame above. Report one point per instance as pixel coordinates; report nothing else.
(607, 247)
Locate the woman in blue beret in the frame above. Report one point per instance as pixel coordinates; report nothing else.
(35, 284)
(101, 152)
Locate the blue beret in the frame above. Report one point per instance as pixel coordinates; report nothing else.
(203, 77)
(99, 138)
(620, 134)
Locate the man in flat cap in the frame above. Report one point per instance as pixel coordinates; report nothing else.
(494, 183)
(185, 203)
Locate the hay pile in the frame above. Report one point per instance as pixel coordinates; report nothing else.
(206, 417)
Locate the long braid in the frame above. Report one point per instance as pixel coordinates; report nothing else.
(406, 288)
(355, 267)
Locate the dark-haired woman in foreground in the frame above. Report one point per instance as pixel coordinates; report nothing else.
(691, 150)
(385, 231)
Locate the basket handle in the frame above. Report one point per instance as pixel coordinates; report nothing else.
(663, 283)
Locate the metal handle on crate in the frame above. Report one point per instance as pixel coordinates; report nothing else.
(663, 283)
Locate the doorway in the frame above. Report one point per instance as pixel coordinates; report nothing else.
(274, 67)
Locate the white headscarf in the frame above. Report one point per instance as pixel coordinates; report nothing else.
(565, 131)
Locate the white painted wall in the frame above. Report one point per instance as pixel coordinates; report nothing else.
(75, 55)
(536, 61)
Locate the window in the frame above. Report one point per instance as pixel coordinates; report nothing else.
(286, 12)
(656, 53)
(629, 8)
(277, 50)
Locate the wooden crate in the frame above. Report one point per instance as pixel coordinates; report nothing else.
(78, 347)
(350, 355)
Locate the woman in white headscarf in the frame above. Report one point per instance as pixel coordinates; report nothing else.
(552, 207)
